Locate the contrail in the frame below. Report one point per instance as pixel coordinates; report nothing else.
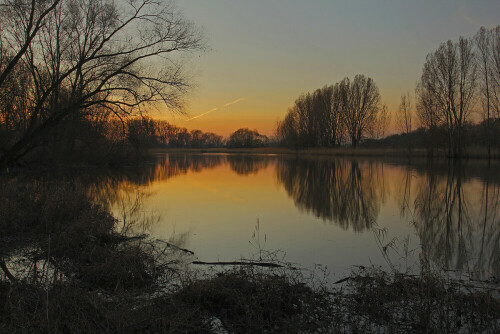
(462, 13)
(214, 109)
(235, 101)
(217, 108)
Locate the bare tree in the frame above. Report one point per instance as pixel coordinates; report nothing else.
(286, 130)
(429, 116)
(320, 112)
(21, 22)
(427, 108)
(305, 120)
(338, 114)
(326, 116)
(449, 81)
(483, 45)
(405, 114)
(119, 56)
(495, 70)
(245, 137)
(362, 106)
(382, 122)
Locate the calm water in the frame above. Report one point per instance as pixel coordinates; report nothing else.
(317, 210)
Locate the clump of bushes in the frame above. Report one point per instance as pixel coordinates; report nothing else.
(245, 300)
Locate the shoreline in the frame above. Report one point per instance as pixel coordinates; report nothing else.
(472, 153)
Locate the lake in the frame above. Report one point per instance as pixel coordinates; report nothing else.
(333, 212)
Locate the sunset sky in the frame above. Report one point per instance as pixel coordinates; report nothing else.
(264, 53)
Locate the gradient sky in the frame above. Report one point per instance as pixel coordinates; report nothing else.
(264, 53)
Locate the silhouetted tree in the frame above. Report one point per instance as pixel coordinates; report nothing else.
(21, 24)
(337, 116)
(363, 105)
(381, 124)
(324, 117)
(286, 130)
(88, 56)
(183, 138)
(405, 115)
(141, 132)
(495, 73)
(196, 138)
(211, 139)
(246, 138)
(486, 47)
(447, 86)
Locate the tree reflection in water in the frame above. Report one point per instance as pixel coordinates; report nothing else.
(455, 207)
(247, 164)
(345, 192)
(110, 188)
(458, 225)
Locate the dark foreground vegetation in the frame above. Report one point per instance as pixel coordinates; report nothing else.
(68, 266)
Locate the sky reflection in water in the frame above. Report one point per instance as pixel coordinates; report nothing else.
(318, 210)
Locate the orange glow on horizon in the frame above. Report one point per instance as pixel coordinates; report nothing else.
(224, 121)
(208, 109)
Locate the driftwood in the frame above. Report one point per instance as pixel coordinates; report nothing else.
(241, 263)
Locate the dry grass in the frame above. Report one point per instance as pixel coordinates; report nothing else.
(245, 301)
(428, 303)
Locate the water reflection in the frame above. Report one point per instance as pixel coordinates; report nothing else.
(111, 188)
(247, 164)
(454, 207)
(169, 166)
(457, 221)
(343, 192)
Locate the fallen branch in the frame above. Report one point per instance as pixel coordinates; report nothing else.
(342, 280)
(240, 263)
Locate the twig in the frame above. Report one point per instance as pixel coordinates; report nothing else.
(177, 247)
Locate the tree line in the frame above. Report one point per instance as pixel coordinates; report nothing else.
(146, 132)
(459, 79)
(335, 115)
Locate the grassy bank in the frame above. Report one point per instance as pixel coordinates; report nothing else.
(68, 266)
